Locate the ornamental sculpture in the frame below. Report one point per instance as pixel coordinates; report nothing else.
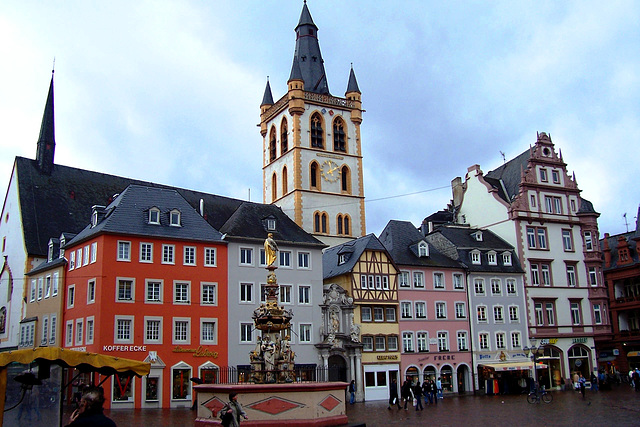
(272, 360)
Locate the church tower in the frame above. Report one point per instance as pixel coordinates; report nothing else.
(312, 152)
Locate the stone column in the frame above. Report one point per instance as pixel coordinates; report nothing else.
(454, 379)
(352, 367)
(360, 388)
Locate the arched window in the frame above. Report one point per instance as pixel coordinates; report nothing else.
(314, 177)
(324, 222)
(316, 131)
(346, 180)
(274, 187)
(339, 137)
(347, 230)
(343, 225)
(284, 138)
(339, 222)
(285, 183)
(272, 144)
(316, 222)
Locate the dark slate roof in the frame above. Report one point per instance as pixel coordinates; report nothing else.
(401, 239)
(249, 221)
(613, 246)
(353, 249)
(128, 214)
(267, 98)
(308, 54)
(47, 265)
(61, 203)
(352, 86)
(510, 174)
(465, 242)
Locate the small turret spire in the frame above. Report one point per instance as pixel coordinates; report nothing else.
(267, 99)
(47, 140)
(352, 86)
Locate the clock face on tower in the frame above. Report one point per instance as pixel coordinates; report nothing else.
(330, 171)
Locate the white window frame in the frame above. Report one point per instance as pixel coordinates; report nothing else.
(55, 283)
(145, 337)
(506, 258)
(462, 337)
(249, 328)
(90, 299)
(245, 256)
(90, 330)
(208, 253)
(422, 337)
(501, 340)
(34, 287)
(439, 280)
(213, 320)
(404, 279)
(47, 286)
(514, 309)
(174, 324)
(40, 288)
(123, 251)
(284, 259)
(53, 329)
(143, 252)
(246, 293)
(423, 309)
(479, 283)
(304, 260)
(482, 309)
(492, 258)
(68, 333)
(461, 310)
(408, 342)
(154, 216)
(94, 252)
(458, 281)
(189, 255)
(406, 310)
(215, 294)
(366, 314)
(496, 290)
(71, 296)
(511, 284)
(175, 295)
(516, 340)
(168, 254)
(443, 340)
(175, 218)
(131, 320)
(304, 295)
(441, 310)
(79, 332)
(475, 257)
(304, 330)
(133, 290)
(286, 294)
(85, 259)
(147, 282)
(500, 310)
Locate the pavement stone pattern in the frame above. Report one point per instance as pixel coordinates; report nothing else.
(619, 407)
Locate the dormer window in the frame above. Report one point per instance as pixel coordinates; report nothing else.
(478, 236)
(94, 218)
(154, 216)
(492, 258)
(475, 257)
(50, 254)
(174, 218)
(423, 250)
(506, 258)
(271, 224)
(343, 258)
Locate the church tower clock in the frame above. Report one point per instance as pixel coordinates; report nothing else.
(312, 153)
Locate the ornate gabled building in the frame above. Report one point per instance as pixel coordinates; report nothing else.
(312, 148)
(535, 205)
(369, 350)
(622, 278)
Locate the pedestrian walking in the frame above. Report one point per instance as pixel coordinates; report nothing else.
(426, 391)
(406, 392)
(582, 382)
(417, 395)
(439, 387)
(433, 391)
(352, 392)
(231, 412)
(594, 382)
(393, 394)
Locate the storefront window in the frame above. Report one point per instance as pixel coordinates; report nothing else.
(551, 376)
(430, 373)
(445, 375)
(181, 384)
(209, 375)
(122, 388)
(412, 373)
(579, 361)
(151, 394)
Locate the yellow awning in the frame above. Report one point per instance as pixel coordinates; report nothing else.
(513, 366)
(86, 362)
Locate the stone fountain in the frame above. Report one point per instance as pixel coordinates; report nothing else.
(273, 397)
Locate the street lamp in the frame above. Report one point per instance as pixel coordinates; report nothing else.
(533, 352)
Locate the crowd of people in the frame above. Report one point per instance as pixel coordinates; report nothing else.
(412, 393)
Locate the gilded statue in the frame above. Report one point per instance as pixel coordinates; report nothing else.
(270, 249)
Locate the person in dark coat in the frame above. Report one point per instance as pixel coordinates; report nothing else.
(406, 392)
(89, 412)
(417, 394)
(426, 390)
(234, 409)
(434, 391)
(393, 394)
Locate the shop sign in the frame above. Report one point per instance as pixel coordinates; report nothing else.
(484, 356)
(387, 357)
(78, 349)
(549, 341)
(197, 352)
(616, 352)
(442, 357)
(580, 340)
(109, 348)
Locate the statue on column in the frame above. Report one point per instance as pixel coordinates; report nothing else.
(270, 249)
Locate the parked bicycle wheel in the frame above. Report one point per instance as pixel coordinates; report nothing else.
(547, 398)
(532, 398)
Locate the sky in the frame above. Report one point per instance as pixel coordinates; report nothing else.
(170, 91)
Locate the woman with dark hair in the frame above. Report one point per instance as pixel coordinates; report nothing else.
(89, 412)
(231, 412)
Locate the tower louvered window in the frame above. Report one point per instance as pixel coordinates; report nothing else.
(284, 141)
(316, 131)
(272, 145)
(339, 137)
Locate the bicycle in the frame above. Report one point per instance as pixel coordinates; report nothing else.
(537, 396)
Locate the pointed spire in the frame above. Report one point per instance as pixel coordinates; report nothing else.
(47, 139)
(308, 54)
(267, 99)
(352, 86)
(296, 73)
